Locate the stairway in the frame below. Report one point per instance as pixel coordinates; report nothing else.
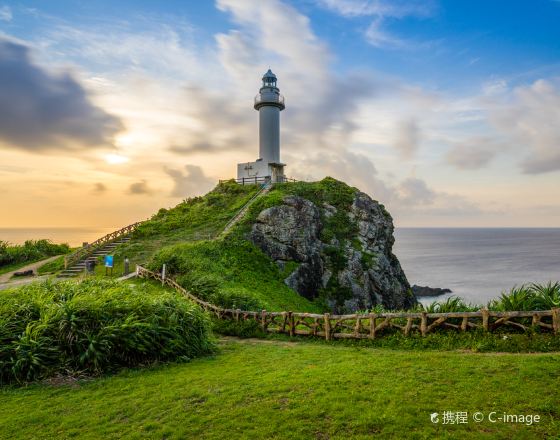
(241, 213)
(80, 266)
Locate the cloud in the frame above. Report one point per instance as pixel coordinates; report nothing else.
(473, 154)
(41, 110)
(414, 191)
(410, 197)
(222, 124)
(189, 183)
(407, 138)
(5, 13)
(99, 188)
(529, 117)
(380, 10)
(138, 188)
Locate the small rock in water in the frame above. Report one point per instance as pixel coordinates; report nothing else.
(429, 291)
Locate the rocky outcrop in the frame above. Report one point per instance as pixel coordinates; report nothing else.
(353, 272)
(429, 291)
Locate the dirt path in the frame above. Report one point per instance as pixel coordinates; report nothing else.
(4, 278)
(225, 339)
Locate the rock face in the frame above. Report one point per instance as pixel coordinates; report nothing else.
(352, 273)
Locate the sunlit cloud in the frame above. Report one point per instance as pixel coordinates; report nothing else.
(115, 159)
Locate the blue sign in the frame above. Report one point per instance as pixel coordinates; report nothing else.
(108, 261)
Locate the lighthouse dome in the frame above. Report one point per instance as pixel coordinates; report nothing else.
(269, 79)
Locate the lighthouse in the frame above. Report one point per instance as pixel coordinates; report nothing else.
(268, 167)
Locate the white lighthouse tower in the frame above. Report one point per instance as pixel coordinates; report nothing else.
(269, 102)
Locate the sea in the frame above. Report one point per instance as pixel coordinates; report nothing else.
(477, 264)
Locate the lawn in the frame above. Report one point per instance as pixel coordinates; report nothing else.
(285, 390)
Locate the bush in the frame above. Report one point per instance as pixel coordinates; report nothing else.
(31, 250)
(95, 326)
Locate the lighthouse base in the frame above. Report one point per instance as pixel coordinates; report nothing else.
(260, 172)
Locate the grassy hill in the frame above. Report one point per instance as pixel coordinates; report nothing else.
(230, 271)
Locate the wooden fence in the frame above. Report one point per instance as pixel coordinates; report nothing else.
(372, 325)
(84, 251)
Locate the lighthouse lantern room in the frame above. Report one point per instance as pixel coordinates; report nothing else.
(268, 167)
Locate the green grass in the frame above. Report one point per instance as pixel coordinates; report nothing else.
(53, 266)
(295, 390)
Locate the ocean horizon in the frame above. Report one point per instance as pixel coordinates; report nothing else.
(477, 264)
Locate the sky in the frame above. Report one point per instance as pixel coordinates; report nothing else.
(446, 111)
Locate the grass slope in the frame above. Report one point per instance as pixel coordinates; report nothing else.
(195, 219)
(296, 390)
(232, 273)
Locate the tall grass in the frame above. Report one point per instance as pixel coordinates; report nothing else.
(95, 326)
(528, 297)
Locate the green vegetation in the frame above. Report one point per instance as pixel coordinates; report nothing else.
(93, 326)
(53, 266)
(231, 273)
(296, 390)
(524, 298)
(195, 219)
(529, 297)
(14, 257)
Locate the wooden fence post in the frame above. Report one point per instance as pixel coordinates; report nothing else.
(263, 320)
(291, 323)
(556, 320)
(408, 326)
(327, 318)
(237, 313)
(424, 324)
(372, 317)
(357, 327)
(485, 316)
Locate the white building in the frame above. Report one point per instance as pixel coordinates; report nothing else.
(269, 102)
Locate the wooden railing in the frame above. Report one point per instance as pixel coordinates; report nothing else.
(256, 180)
(84, 251)
(372, 325)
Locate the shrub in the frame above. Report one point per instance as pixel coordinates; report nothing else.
(450, 305)
(31, 250)
(532, 297)
(95, 326)
(242, 329)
